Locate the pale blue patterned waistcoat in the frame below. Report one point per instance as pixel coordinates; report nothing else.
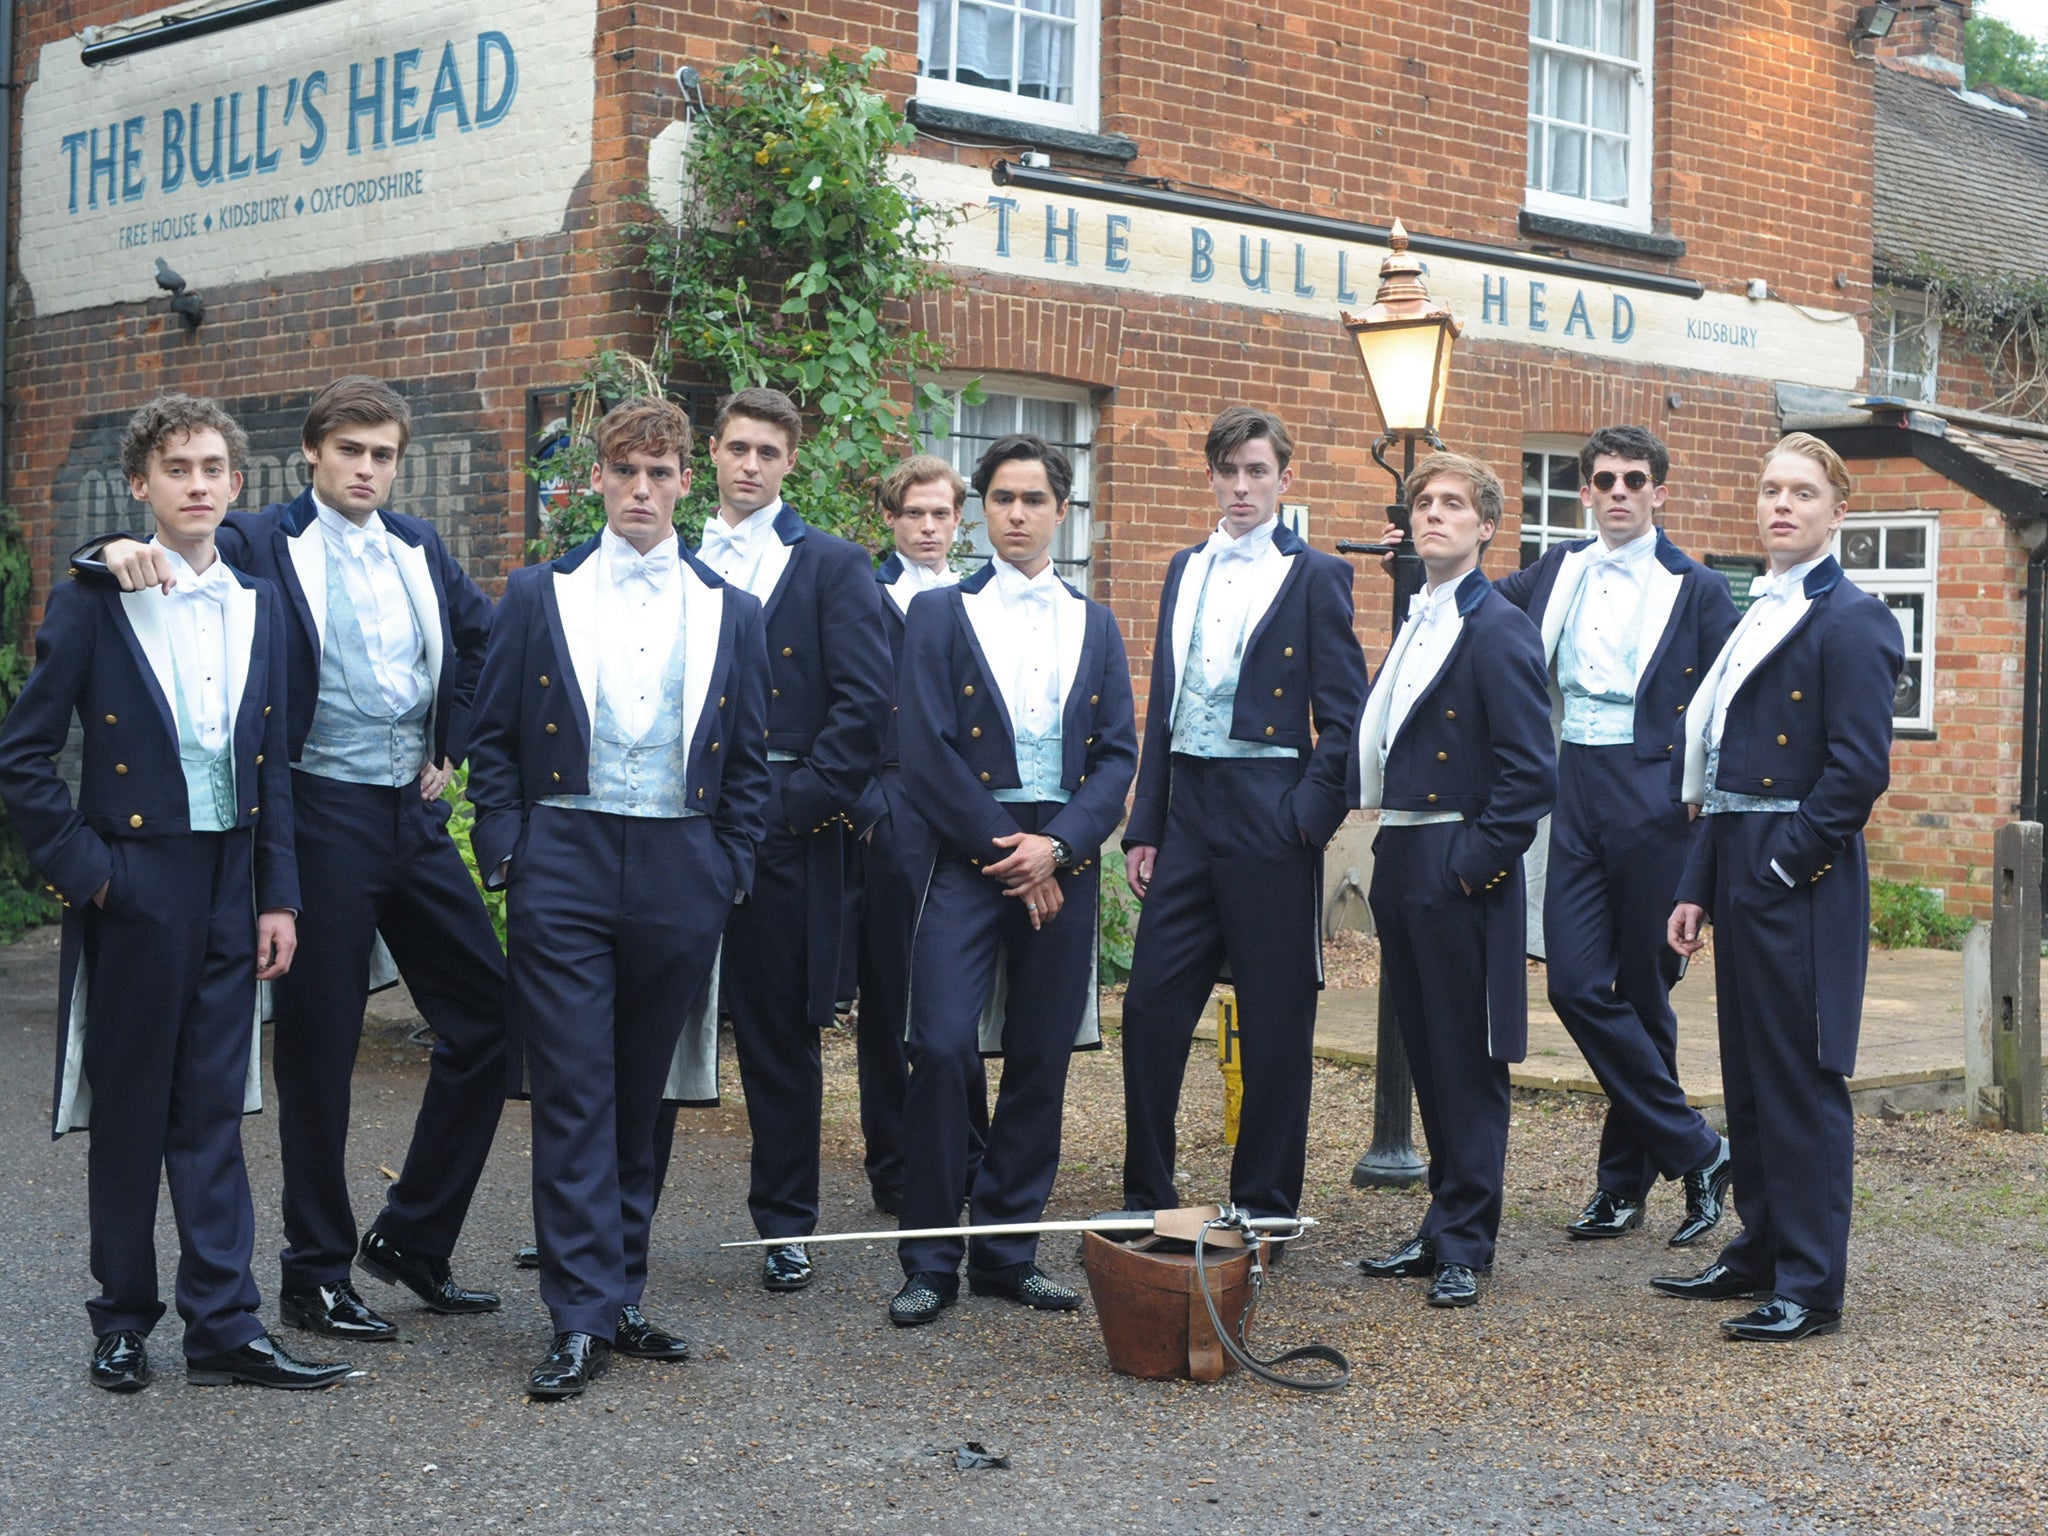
(209, 776)
(1606, 719)
(354, 736)
(648, 777)
(1201, 717)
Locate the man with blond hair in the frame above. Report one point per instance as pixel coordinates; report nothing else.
(1788, 746)
(1454, 751)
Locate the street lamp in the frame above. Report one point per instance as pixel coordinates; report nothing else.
(1404, 344)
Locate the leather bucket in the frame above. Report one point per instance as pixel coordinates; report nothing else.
(1154, 1323)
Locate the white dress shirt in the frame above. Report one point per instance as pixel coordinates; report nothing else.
(195, 618)
(1777, 602)
(918, 578)
(740, 553)
(1606, 627)
(1239, 568)
(641, 614)
(1030, 629)
(1424, 645)
(391, 633)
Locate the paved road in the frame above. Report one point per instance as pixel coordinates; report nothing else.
(802, 1413)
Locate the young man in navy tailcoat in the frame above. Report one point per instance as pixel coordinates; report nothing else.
(1629, 624)
(619, 771)
(1454, 750)
(828, 697)
(922, 500)
(385, 638)
(1018, 746)
(1256, 689)
(179, 886)
(1788, 746)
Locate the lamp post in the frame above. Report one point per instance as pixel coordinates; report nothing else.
(1404, 345)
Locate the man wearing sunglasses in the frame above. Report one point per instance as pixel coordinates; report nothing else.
(1629, 625)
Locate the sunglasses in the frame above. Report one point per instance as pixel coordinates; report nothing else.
(1635, 480)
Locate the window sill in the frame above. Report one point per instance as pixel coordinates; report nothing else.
(1010, 130)
(1915, 733)
(1635, 242)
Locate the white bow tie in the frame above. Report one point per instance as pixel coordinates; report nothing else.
(1023, 589)
(1614, 558)
(1246, 548)
(211, 584)
(654, 567)
(1423, 609)
(1770, 585)
(721, 539)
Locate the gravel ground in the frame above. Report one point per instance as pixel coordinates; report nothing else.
(1572, 1399)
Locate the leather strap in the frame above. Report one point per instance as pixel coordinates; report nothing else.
(1238, 1341)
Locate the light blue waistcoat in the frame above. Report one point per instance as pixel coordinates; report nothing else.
(1202, 716)
(354, 736)
(1041, 763)
(209, 776)
(1591, 719)
(1721, 801)
(648, 777)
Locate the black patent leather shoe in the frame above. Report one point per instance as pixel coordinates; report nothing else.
(1606, 1215)
(1415, 1258)
(335, 1310)
(923, 1297)
(426, 1277)
(1780, 1321)
(120, 1363)
(526, 1256)
(787, 1268)
(1706, 1197)
(643, 1340)
(1025, 1284)
(262, 1362)
(1454, 1285)
(571, 1364)
(1717, 1282)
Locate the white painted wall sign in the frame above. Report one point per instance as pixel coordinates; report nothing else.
(323, 138)
(1213, 260)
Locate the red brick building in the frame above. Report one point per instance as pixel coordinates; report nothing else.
(1658, 211)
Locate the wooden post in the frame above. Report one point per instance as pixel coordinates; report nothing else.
(2016, 976)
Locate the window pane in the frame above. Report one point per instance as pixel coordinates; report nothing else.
(1861, 548)
(1568, 89)
(935, 38)
(1532, 551)
(1051, 7)
(1575, 22)
(1539, 18)
(1906, 699)
(1618, 28)
(1567, 162)
(1905, 549)
(986, 38)
(1610, 170)
(1564, 474)
(1046, 66)
(1907, 608)
(1052, 420)
(1610, 100)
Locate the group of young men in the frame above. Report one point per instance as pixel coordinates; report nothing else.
(686, 764)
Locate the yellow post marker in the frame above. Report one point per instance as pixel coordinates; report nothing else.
(1227, 1064)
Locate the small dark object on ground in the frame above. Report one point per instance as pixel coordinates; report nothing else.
(976, 1457)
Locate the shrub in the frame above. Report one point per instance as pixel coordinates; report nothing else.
(1911, 917)
(1117, 920)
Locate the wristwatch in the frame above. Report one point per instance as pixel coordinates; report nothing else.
(1062, 855)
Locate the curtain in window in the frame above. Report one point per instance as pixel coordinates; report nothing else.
(1022, 46)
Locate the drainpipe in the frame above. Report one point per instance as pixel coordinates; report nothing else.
(6, 202)
(2030, 688)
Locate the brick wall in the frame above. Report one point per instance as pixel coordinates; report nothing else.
(1952, 791)
(1406, 109)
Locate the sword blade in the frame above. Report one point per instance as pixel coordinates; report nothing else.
(1019, 1228)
